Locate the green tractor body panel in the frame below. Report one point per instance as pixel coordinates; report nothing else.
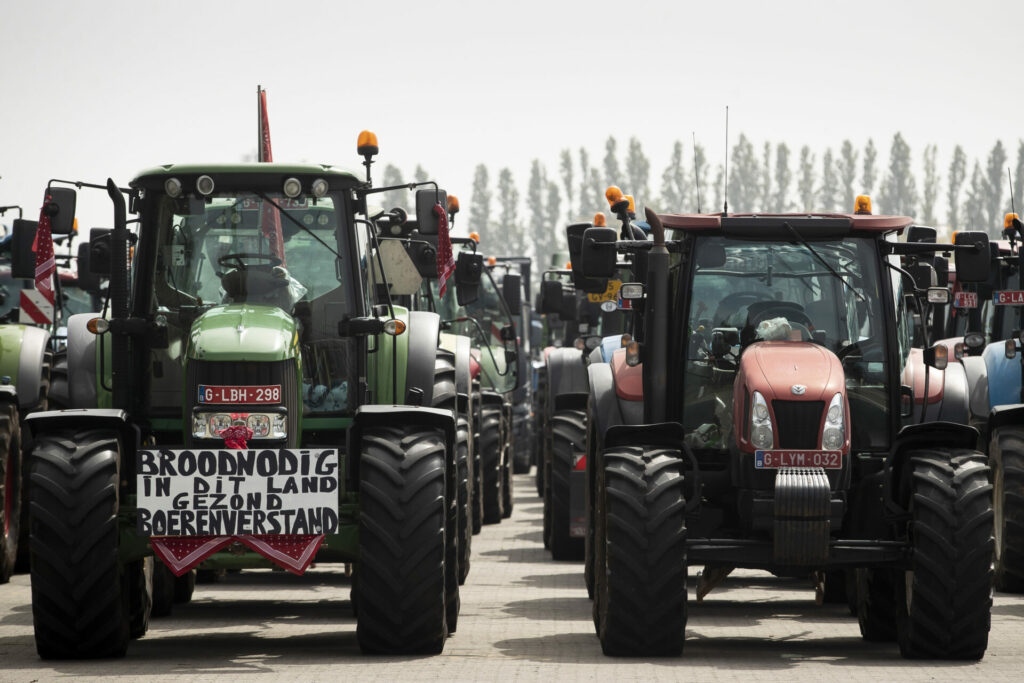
(10, 351)
(243, 332)
(388, 364)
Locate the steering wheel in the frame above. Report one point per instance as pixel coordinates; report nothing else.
(859, 349)
(732, 303)
(239, 260)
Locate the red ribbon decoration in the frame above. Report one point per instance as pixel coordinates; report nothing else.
(445, 258)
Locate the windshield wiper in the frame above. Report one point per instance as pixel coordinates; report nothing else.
(802, 241)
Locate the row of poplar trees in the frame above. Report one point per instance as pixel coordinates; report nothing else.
(767, 178)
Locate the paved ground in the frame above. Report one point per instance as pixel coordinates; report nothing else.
(523, 616)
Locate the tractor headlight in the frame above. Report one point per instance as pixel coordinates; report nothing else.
(834, 435)
(762, 434)
(269, 425)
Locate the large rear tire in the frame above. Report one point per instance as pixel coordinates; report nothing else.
(400, 600)
(465, 492)
(11, 496)
(944, 599)
(445, 396)
(508, 449)
(80, 592)
(476, 418)
(1006, 458)
(164, 583)
(568, 433)
(492, 478)
(642, 580)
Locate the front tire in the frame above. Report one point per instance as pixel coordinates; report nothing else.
(400, 600)
(642, 577)
(944, 599)
(568, 432)
(11, 498)
(491, 475)
(80, 592)
(1006, 458)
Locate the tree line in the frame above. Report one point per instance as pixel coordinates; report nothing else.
(769, 178)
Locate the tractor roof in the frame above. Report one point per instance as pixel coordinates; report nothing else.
(807, 223)
(154, 177)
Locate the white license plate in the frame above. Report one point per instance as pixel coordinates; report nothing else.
(774, 459)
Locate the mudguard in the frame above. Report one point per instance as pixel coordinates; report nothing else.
(930, 434)
(567, 380)
(83, 364)
(424, 328)
(28, 346)
(91, 418)
(977, 386)
(610, 345)
(596, 356)
(1004, 415)
(604, 404)
(948, 392)
(385, 415)
(1004, 375)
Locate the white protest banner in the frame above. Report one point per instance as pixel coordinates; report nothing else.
(203, 492)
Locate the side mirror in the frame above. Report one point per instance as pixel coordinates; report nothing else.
(99, 251)
(550, 297)
(87, 279)
(23, 259)
(426, 200)
(508, 333)
(574, 235)
(512, 291)
(598, 254)
(61, 209)
(469, 268)
(568, 310)
(972, 265)
(921, 233)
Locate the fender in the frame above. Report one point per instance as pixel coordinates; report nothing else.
(609, 345)
(463, 379)
(629, 387)
(83, 362)
(567, 380)
(424, 328)
(604, 404)
(31, 350)
(1004, 375)
(929, 434)
(93, 418)
(1004, 415)
(384, 415)
(977, 386)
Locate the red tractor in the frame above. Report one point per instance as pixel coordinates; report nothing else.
(759, 420)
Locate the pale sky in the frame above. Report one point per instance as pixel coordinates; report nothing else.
(100, 88)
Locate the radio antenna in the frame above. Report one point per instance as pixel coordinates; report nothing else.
(725, 207)
(696, 178)
(1009, 178)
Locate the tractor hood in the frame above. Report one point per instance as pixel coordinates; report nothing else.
(238, 332)
(787, 370)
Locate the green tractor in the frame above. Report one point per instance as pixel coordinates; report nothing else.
(246, 401)
(25, 364)
(480, 315)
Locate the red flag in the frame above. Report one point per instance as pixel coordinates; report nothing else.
(43, 247)
(271, 221)
(445, 258)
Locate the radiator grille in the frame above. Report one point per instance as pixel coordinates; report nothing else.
(798, 423)
(241, 373)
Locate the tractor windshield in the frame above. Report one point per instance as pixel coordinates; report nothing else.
(745, 291)
(481, 321)
(244, 247)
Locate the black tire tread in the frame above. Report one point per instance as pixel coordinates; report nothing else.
(10, 458)
(643, 587)
(401, 590)
(1006, 455)
(952, 537)
(491, 475)
(568, 435)
(79, 599)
